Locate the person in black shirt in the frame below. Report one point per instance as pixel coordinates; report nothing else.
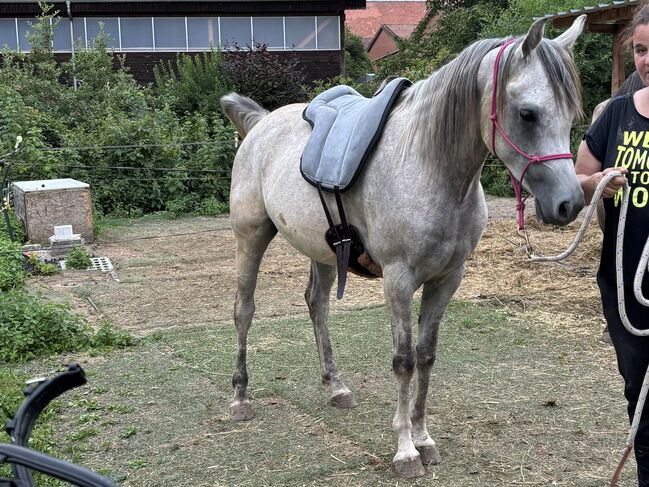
(619, 140)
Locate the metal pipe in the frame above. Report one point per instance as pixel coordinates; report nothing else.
(74, 69)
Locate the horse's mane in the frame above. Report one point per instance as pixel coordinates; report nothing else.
(447, 103)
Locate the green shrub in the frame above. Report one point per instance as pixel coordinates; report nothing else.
(17, 227)
(357, 62)
(78, 258)
(271, 79)
(194, 82)
(109, 337)
(495, 179)
(212, 207)
(12, 274)
(36, 266)
(30, 327)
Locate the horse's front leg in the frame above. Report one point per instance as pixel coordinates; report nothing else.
(399, 289)
(317, 294)
(434, 301)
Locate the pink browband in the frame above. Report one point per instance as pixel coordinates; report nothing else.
(517, 184)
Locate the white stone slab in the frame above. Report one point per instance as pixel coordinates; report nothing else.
(63, 232)
(49, 184)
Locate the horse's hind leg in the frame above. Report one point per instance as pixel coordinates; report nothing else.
(435, 299)
(252, 239)
(317, 293)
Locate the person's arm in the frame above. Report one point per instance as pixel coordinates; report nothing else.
(589, 172)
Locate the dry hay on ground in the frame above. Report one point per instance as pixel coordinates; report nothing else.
(499, 268)
(189, 279)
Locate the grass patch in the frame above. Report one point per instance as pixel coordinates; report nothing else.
(31, 327)
(509, 404)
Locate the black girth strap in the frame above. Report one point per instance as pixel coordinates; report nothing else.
(342, 242)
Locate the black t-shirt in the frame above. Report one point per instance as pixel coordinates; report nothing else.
(620, 137)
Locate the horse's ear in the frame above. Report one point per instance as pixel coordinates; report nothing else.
(533, 37)
(568, 38)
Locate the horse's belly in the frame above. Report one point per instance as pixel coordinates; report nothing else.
(294, 207)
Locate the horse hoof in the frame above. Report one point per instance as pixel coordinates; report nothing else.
(429, 454)
(242, 411)
(409, 469)
(344, 401)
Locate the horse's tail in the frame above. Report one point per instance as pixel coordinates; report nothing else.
(243, 112)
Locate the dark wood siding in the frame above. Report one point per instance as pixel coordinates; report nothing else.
(318, 64)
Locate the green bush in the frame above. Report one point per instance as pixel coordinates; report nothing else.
(109, 337)
(36, 266)
(357, 62)
(17, 227)
(12, 274)
(271, 79)
(31, 327)
(78, 258)
(495, 179)
(212, 207)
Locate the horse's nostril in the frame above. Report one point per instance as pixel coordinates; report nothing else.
(564, 210)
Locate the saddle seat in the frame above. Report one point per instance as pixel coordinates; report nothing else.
(345, 129)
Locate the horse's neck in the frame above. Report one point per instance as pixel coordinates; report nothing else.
(440, 149)
(454, 174)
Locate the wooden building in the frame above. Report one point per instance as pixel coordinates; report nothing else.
(385, 41)
(605, 18)
(147, 32)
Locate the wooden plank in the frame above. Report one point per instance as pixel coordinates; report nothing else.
(619, 60)
(601, 28)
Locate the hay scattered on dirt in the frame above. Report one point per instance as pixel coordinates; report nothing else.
(499, 268)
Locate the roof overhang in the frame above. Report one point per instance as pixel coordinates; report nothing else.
(206, 7)
(605, 18)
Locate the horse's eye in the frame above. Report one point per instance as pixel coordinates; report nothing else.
(527, 115)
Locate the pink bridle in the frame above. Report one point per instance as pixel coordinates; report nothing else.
(517, 184)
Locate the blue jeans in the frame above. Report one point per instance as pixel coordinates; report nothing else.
(632, 360)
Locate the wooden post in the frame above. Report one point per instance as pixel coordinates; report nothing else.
(619, 58)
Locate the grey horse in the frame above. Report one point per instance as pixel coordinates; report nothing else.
(419, 205)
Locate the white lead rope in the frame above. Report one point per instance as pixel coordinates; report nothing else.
(637, 290)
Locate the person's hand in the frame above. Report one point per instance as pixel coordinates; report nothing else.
(614, 185)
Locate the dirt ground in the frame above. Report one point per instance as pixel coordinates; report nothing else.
(173, 273)
(525, 393)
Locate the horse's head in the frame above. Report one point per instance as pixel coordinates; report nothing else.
(527, 120)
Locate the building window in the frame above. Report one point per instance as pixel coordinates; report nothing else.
(23, 29)
(170, 33)
(328, 33)
(79, 28)
(137, 33)
(300, 33)
(111, 31)
(268, 31)
(61, 31)
(202, 32)
(181, 33)
(8, 33)
(235, 31)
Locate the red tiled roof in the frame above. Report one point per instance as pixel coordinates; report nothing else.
(402, 31)
(366, 22)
